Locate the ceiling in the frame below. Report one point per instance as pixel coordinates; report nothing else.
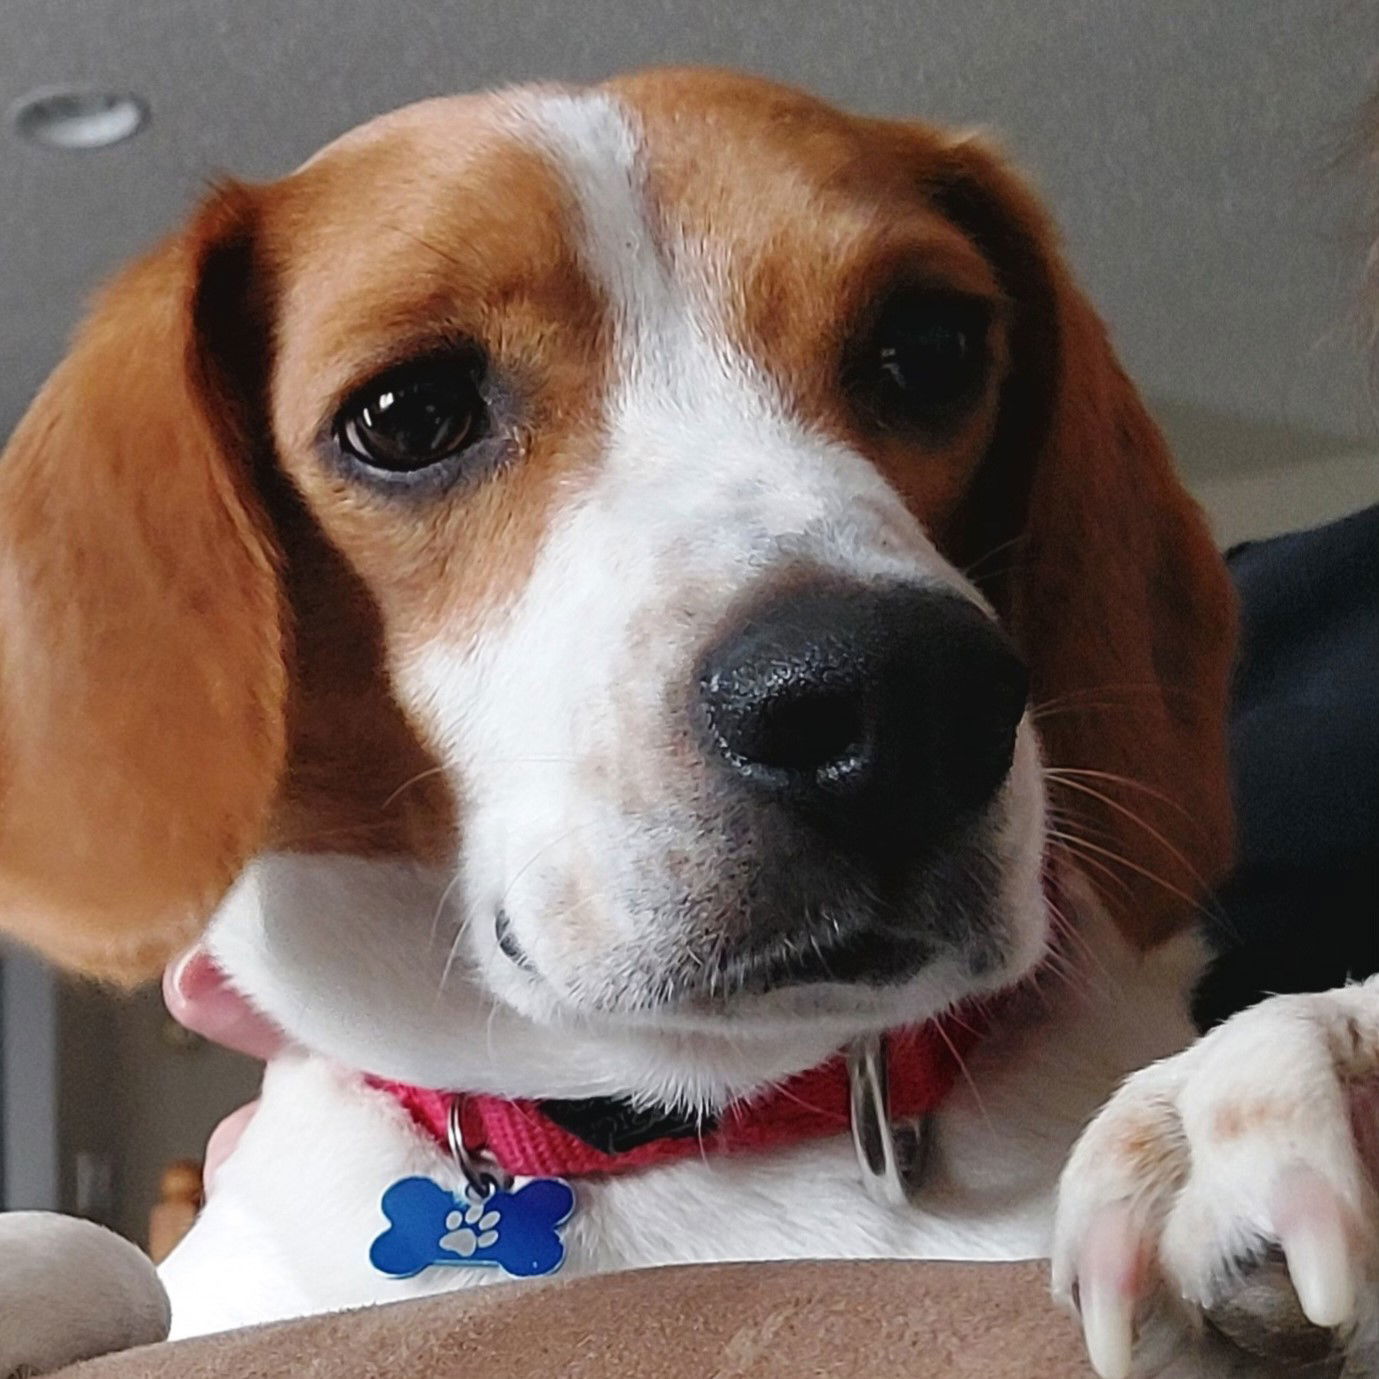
(1188, 148)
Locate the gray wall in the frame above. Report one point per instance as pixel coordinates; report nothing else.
(28, 1083)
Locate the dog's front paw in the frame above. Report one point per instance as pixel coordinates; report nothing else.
(1223, 1204)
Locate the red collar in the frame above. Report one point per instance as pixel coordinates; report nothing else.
(527, 1140)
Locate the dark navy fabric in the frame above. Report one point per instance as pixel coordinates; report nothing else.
(1301, 911)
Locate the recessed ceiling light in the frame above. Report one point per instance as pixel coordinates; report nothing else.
(75, 117)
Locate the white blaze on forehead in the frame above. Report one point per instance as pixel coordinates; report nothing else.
(593, 145)
(666, 291)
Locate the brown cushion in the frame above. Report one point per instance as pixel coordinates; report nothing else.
(881, 1320)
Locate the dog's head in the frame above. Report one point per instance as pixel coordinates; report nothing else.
(667, 530)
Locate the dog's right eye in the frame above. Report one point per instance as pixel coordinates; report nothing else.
(414, 417)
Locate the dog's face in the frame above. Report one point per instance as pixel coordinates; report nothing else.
(564, 497)
(643, 460)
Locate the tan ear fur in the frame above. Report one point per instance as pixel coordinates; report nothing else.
(1106, 571)
(142, 675)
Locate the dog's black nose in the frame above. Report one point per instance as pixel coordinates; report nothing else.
(884, 714)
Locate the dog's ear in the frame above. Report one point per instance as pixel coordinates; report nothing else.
(1106, 571)
(142, 671)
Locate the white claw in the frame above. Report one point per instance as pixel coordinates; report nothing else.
(1108, 1281)
(1108, 1328)
(1311, 1227)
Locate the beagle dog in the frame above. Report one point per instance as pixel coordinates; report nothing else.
(653, 626)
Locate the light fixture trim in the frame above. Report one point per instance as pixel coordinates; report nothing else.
(78, 119)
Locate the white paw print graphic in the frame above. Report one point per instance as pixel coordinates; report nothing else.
(469, 1230)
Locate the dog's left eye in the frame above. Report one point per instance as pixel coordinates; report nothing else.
(414, 417)
(922, 358)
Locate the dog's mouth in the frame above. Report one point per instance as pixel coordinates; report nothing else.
(869, 956)
(873, 957)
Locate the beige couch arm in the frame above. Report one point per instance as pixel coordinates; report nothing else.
(807, 1320)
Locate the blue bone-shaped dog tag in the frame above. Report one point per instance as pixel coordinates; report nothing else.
(516, 1231)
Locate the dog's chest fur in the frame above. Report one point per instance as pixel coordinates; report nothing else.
(288, 1227)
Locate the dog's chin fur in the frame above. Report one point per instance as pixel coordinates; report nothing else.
(372, 964)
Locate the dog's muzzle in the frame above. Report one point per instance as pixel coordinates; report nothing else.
(869, 725)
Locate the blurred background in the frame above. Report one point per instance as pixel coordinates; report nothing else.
(1205, 159)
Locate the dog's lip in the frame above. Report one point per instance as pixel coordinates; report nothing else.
(869, 958)
(507, 941)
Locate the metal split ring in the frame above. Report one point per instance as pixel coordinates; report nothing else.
(485, 1175)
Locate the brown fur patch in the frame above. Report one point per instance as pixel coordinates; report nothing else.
(361, 292)
(1148, 1147)
(363, 289)
(816, 213)
(141, 667)
(1106, 572)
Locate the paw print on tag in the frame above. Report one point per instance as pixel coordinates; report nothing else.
(471, 1229)
(516, 1230)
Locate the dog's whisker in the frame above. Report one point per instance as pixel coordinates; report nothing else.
(1042, 715)
(489, 1024)
(460, 931)
(966, 1074)
(432, 772)
(1084, 846)
(1152, 688)
(548, 846)
(1119, 859)
(408, 784)
(1095, 976)
(1070, 844)
(1172, 849)
(1066, 818)
(1110, 777)
(441, 903)
(975, 570)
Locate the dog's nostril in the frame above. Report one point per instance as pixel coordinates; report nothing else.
(806, 734)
